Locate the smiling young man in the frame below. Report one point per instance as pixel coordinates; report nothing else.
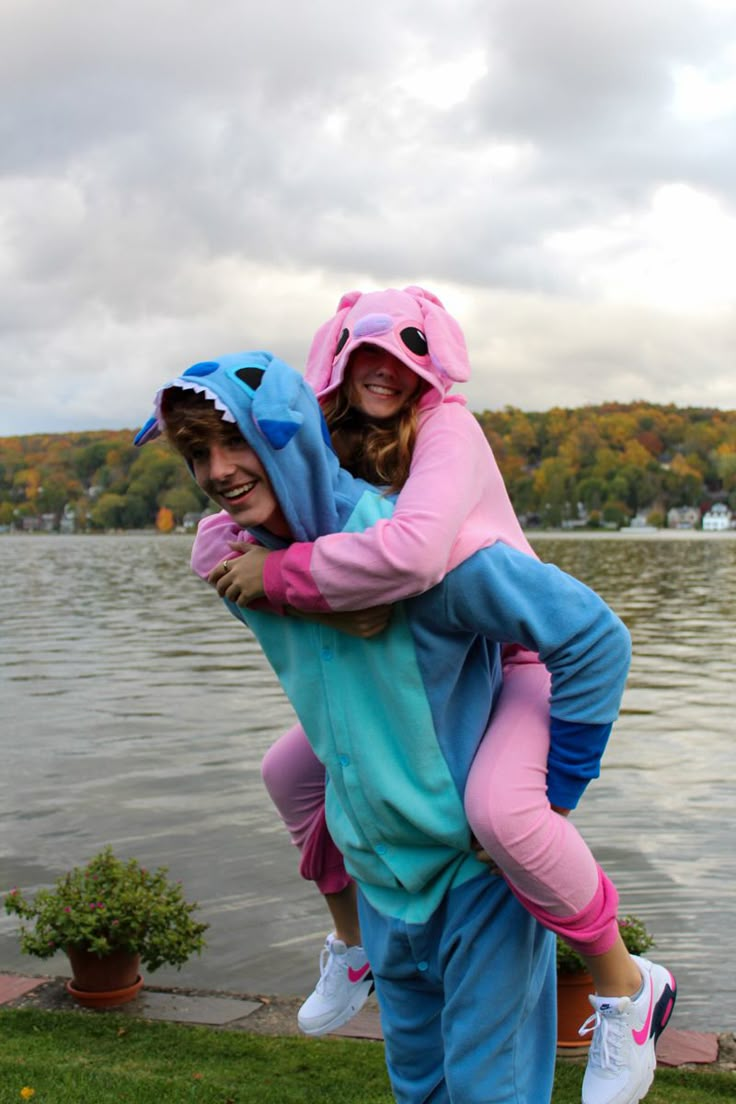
(464, 975)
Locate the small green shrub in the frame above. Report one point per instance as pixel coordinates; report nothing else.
(109, 905)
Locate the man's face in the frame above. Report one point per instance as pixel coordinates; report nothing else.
(229, 471)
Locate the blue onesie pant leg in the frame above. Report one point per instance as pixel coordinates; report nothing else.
(467, 1000)
(411, 1000)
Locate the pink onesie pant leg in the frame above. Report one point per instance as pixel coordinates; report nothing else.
(544, 858)
(295, 780)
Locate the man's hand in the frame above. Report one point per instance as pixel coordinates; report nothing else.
(363, 623)
(484, 857)
(241, 578)
(241, 581)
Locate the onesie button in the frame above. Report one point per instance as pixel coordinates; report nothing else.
(344, 760)
(381, 848)
(422, 966)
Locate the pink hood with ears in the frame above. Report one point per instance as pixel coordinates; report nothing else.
(412, 324)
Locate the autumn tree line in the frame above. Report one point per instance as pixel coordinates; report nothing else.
(612, 462)
(603, 464)
(98, 478)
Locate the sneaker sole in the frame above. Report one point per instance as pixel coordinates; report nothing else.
(362, 992)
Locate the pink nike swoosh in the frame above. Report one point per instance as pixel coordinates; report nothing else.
(642, 1036)
(358, 975)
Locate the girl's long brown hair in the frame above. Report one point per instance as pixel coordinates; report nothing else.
(378, 451)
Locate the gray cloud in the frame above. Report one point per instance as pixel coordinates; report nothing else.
(184, 179)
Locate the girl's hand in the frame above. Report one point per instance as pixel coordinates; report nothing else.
(241, 578)
(362, 623)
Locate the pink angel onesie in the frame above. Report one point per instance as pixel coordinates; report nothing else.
(454, 503)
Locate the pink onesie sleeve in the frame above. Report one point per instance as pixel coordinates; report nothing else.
(454, 502)
(211, 542)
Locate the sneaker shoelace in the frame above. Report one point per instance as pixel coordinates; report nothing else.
(328, 977)
(608, 1035)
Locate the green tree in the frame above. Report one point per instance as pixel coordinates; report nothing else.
(615, 513)
(552, 483)
(108, 512)
(182, 500)
(591, 492)
(52, 496)
(135, 513)
(90, 459)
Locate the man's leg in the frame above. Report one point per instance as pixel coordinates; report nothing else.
(467, 1000)
(499, 1019)
(410, 997)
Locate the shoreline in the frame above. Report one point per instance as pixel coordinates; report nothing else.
(259, 1014)
(629, 533)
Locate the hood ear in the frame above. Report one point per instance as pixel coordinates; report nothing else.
(274, 408)
(148, 432)
(445, 339)
(323, 349)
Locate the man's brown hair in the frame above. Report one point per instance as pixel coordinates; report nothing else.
(193, 422)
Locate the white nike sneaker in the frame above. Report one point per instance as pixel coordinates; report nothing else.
(621, 1062)
(344, 986)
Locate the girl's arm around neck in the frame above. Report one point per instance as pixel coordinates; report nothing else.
(453, 503)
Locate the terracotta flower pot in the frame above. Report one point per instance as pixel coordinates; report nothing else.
(573, 1007)
(103, 982)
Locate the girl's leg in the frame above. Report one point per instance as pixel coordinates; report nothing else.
(545, 859)
(295, 780)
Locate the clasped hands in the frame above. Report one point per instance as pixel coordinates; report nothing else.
(240, 580)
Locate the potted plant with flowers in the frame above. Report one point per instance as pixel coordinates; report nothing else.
(574, 983)
(109, 917)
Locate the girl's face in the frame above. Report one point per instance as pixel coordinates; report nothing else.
(378, 382)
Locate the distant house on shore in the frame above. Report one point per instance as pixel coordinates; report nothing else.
(191, 520)
(68, 520)
(640, 522)
(683, 517)
(718, 518)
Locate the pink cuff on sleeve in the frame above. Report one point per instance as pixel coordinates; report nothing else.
(287, 580)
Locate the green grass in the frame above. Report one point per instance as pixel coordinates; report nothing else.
(76, 1058)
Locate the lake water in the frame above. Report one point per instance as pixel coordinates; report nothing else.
(135, 711)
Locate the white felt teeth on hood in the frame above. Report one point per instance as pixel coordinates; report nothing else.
(190, 385)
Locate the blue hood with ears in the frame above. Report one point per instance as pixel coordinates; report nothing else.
(279, 417)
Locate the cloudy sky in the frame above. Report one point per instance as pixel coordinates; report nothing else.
(180, 179)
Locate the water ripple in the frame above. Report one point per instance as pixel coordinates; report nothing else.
(136, 711)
